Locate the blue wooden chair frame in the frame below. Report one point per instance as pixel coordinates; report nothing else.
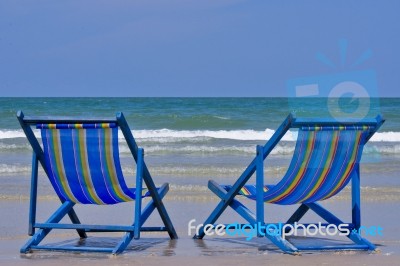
(140, 215)
(227, 196)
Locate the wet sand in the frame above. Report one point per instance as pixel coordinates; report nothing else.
(156, 248)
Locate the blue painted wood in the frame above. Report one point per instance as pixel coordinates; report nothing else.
(298, 214)
(334, 247)
(93, 228)
(150, 207)
(139, 185)
(260, 185)
(74, 219)
(245, 176)
(146, 176)
(33, 120)
(283, 244)
(123, 244)
(355, 198)
(356, 238)
(299, 122)
(42, 233)
(86, 227)
(33, 196)
(324, 213)
(251, 218)
(330, 218)
(154, 229)
(144, 215)
(236, 205)
(72, 248)
(278, 135)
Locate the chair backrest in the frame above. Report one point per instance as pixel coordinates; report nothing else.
(82, 162)
(324, 160)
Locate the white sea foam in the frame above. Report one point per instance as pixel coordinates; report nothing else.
(10, 134)
(206, 149)
(216, 134)
(4, 146)
(386, 149)
(386, 136)
(169, 135)
(14, 168)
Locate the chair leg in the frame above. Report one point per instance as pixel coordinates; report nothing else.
(355, 199)
(243, 211)
(283, 244)
(234, 204)
(123, 244)
(65, 208)
(330, 218)
(139, 185)
(158, 203)
(298, 214)
(144, 215)
(33, 195)
(222, 205)
(75, 220)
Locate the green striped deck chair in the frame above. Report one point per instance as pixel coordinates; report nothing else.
(326, 158)
(81, 160)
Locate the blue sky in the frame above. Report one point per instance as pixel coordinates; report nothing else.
(190, 48)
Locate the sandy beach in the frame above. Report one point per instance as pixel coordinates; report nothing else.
(155, 249)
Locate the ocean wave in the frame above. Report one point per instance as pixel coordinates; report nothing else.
(386, 136)
(221, 117)
(214, 134)
(10, 134)
(273, 172)
(169, 135)
(179, 135)
(368, 193)
(382, 149)
(201, 149)
(14, 147)
(14, 168)
(164, 170)
(206, 149)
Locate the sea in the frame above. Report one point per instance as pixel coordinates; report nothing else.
(188, 141)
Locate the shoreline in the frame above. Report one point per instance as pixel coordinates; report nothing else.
(153, 249)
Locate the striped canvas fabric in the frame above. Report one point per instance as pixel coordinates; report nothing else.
(76, 126)
(82, 161)
(322, 164)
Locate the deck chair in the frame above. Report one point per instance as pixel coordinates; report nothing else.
(326, 157)
(81, 159)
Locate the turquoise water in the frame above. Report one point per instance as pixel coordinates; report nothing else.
(189, 113)
(190, 140)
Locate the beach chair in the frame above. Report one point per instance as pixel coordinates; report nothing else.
(81, 159)
(326, 157)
